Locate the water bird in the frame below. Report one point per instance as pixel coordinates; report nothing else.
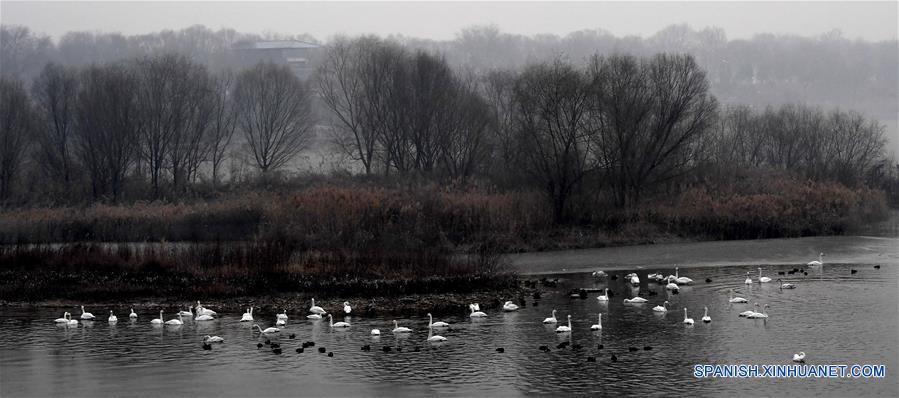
(434, 339)
(247, 316)
(805, 273)
(647, 348)
(510, 306)
(748, 280)
(276, 350)
(672, 286)
(268, 342)
(598, 325)
(71, 322)
(385, 348)
(292, 336)
(331, 354)
(213, 339)
(189, 312)
(591, 359)
(400, 329)
(157, 321)
(681, 280)
(784, 285)
(633, 279)
(749, 312)
(614, 277)
(706, 318)
(314, 316)
(206, 346)
(655, 277)
(599, 347)
(791, 272)
(437, 324)
(476, 311)
(267, 330)
(661, 308)
(346, 308)
(375, 332)
(817, 263)
(562, 345)
(275, 345)
(316, 309)
(736, 299)
(204, 311)
(322, 350)
(258, 345)
(853, 271)
(763, 314)
(175, 322)
(282, 315)
(563, 328)
(87, 316)
(551, 319)
(604, 296)
(599, 274)
(800, 357)
(366, 348)
(781, 273)
(876, 267)
(311, 343)
(633, 349)
(203, 317)
(687, 320)
(132, 315)
(64, 319)
(635, 300)
(112, 317)
(763, 279)
(614, 358)
(338, 324)
(544, 348)
(708, 280)
(299, 350)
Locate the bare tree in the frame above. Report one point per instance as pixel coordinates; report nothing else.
(274, 113)
(16, 125)
(107, 126)
(55, 92)
(222, 122)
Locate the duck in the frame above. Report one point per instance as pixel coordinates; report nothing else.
(510, 306)
(563, 328)
(800, 357)
(604, 296)
(748, 279)
(763, 279)
(661, 308)
(437, 324)
(175, 322)
(132, 315)
(64, 319)
(316, 309)
(87, 316)
(112, 318)
(267, 330)
(784, 285)
(551, 319)
(687, 320)
(736, 299)
(213, 339)
(598, 325)
(247, 316)
(400, 329)
(282, 315)
(681, 280)
(337, 324)
(346, 307)
(635, 300)
(817, 263)
(706, 318)
(158, 321)
(762, 315)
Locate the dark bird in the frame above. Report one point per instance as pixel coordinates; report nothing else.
(305, 344)
(299, 350)
(366, 348)
(876, 267)
(647, 348)
(311, 343)
(207, 347)
(321, 350)
(853, 271)
(267, 342)
(599, 347)
(591, 359)
(385, 348)
(274, 345)
(562, 345)
(791, 272)
(258, 345)
(614, 277)
(544, 348)
(780, 273)
(614, 358)
(805, 273)
(292, 336)
(276, 350)
(500, 350)
(331, 354)
(632, 349)
(708, 280)
(795, 269)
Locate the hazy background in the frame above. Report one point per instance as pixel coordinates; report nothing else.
(442, 20)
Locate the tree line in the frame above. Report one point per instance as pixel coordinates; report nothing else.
(621, 126)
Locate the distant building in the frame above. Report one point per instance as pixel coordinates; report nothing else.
(298, 55)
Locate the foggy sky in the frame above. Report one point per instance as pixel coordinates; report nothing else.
(441, 20)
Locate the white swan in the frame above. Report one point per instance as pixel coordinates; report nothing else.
(375, 332)
(316, 309)
(132, 315)
(661, 308)
(71, 322)
(189, 312)
(706, 318)
(213, 339)
(563, 328)
(818, 262)
(314, 316)
(736, 299)
(204, 311)
(672, 286)
(282, 315)
(681, 280)
(437, 324)
(635, 300)
(604, 296)
(551, 319)
(280, 322)
(687, 320)
(338, 324)
(633, 279)
(158, 321)
(87, 316)
(435, 339)
(763, 279)
(112, 317)
(598, 325)
(784, 285)
(203, 317)
(758, 315)
(749, 312)
(599, 274)
(247, 316)
(400, 329)
(476, 311)
(175, 322)
(655, 277)
(510, 306)
(800, 357)
(267, 330)
(346, 308)
(748, 280)
(64, 319)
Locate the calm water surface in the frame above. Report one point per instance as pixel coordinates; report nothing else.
(834, 316)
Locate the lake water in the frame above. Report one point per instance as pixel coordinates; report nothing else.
(836, 317)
